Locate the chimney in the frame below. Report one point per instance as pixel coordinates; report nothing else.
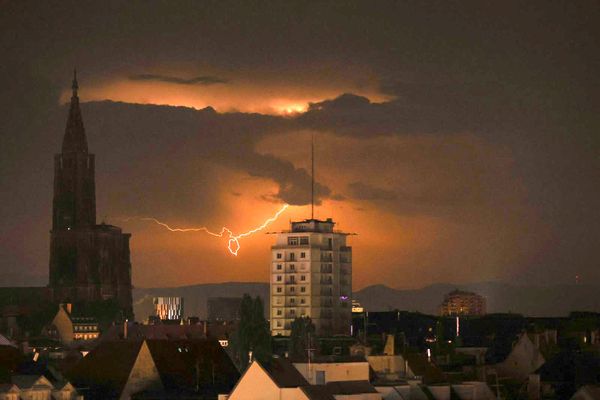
(125, 326)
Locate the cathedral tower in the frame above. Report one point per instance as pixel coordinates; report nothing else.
(88, 262)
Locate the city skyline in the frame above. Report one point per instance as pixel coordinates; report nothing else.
(456, 156)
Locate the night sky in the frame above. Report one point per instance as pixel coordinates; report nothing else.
(459, 140)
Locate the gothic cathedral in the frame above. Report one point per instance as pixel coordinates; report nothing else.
(88, 261)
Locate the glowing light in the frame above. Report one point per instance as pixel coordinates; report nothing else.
(233, 245)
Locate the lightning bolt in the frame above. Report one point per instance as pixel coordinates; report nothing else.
(233, 245)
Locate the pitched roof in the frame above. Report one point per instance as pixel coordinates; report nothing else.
(350, 387)
(28, 381)
(317, 392)
(106, 368)
(5, 342)
(187, 364)
(421, 367)
(8, 387)
(283, 373)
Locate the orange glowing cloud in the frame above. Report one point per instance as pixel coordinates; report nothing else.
(244, 94)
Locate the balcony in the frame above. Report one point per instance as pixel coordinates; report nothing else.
(326, 281)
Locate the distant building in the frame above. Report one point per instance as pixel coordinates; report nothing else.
(224, 308)
(311, 276)
(88, 262)
(168, 308)
(69, 327)
(459, 302)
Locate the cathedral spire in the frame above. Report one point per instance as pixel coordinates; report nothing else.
(75, 86)
(74, 140)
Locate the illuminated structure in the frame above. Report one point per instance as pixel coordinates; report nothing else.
(88, 262)
(311, 276)
(459, 302)
(168, 308)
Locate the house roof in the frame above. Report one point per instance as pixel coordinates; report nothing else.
(106, 368)
(420, 366)
(155, 332)
(186, 364)
(5, 342)
(330, 359)
(350, 387)
(183, 365)
(317, 392)
(8, 388)
(283, 373)
(28, 381)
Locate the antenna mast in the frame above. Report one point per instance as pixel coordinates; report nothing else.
(312, 173)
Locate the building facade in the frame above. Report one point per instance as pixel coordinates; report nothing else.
(168, 308)
(459, 302)
(88, 262)
(311, 276)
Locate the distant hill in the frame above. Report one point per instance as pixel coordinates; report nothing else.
(543, 301)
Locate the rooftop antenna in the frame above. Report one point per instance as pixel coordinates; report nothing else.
(312, 173)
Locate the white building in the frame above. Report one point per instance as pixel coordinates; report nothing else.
(311, 276)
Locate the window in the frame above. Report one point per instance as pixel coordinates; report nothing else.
(292, 289)
(278, 278)
(302, 277)
(279, 266)
(293, 241)
(304, 240)
(292, 257)
(279, 324)
(278, 312)
(292, 300)
(278, 290)
(302, 289)
(292, 311)
(278, 255)
(303, 255)
(302, 301)
(292, 267)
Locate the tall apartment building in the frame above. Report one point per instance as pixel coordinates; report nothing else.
(311, 276)
(460, 302)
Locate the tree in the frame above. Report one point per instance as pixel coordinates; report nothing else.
(253, 333)
(302, 337)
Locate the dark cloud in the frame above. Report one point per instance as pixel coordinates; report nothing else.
(198, 80)
(365, 191)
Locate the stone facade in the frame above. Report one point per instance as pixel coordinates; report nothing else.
(88, 261)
